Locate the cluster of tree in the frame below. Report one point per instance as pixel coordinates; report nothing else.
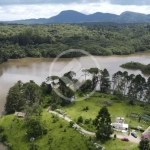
(31, 98)
(18, 41)
(124, 86)
(131, 87)
(137, 66)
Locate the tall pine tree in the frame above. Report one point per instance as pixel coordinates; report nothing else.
(103, 124)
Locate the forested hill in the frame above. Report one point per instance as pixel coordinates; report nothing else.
(18, 41)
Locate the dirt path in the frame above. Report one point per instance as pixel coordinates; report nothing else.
(119, 136)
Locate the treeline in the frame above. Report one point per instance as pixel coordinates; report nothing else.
(31, 98)
(137, 66)
(18, 41)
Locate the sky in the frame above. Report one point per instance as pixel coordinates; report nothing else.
(27, 9)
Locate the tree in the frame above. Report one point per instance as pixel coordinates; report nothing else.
(105, 81)
(103, 124)
(136, 88)
(46, 88)
(35, 127)
(147, 87)
(14, 101)
(86, 73)
(94, 72)
(144, 144)
(86, 87)
(31, 92)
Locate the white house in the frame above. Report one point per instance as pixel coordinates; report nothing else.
(119, 125)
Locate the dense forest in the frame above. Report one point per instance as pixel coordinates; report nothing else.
(18, 41)
(137, 66)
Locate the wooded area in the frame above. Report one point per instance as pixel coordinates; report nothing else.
(137, 66)
(18, 41)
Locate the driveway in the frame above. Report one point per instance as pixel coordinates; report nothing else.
(130, 137)
(119, 136)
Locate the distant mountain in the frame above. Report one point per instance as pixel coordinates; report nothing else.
(70, 16)
(132, 17)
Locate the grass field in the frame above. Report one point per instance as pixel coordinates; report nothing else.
(71, 139)
(95, 103)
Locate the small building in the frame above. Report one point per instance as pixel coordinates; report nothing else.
(120, 120)
(146, 133)
(20, 114)
(119, 125)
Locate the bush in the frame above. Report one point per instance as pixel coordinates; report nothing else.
(71, 123)
(60, 126)
(65, 130)
(55, 119)
(1, 129)
(94, 122)
(87, 121)
(80, 119)
(33, 147)
(50, 139)
(131, 102)
(86, 108)
(3, 137)
(115, 136)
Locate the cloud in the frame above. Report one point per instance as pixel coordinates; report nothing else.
(34, 2)
(17, 12)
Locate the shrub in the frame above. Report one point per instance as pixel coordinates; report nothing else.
(3, 138)
(71, 123)
(65, 130)
(1, 129)
(87, 121)
(50, 139)
(86, 108)
(94, 122)
(131, 102)
(33, 147)
(80, 119)
(60, 126)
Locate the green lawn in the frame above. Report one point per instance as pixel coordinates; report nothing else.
(95, 103)
(71, 139)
